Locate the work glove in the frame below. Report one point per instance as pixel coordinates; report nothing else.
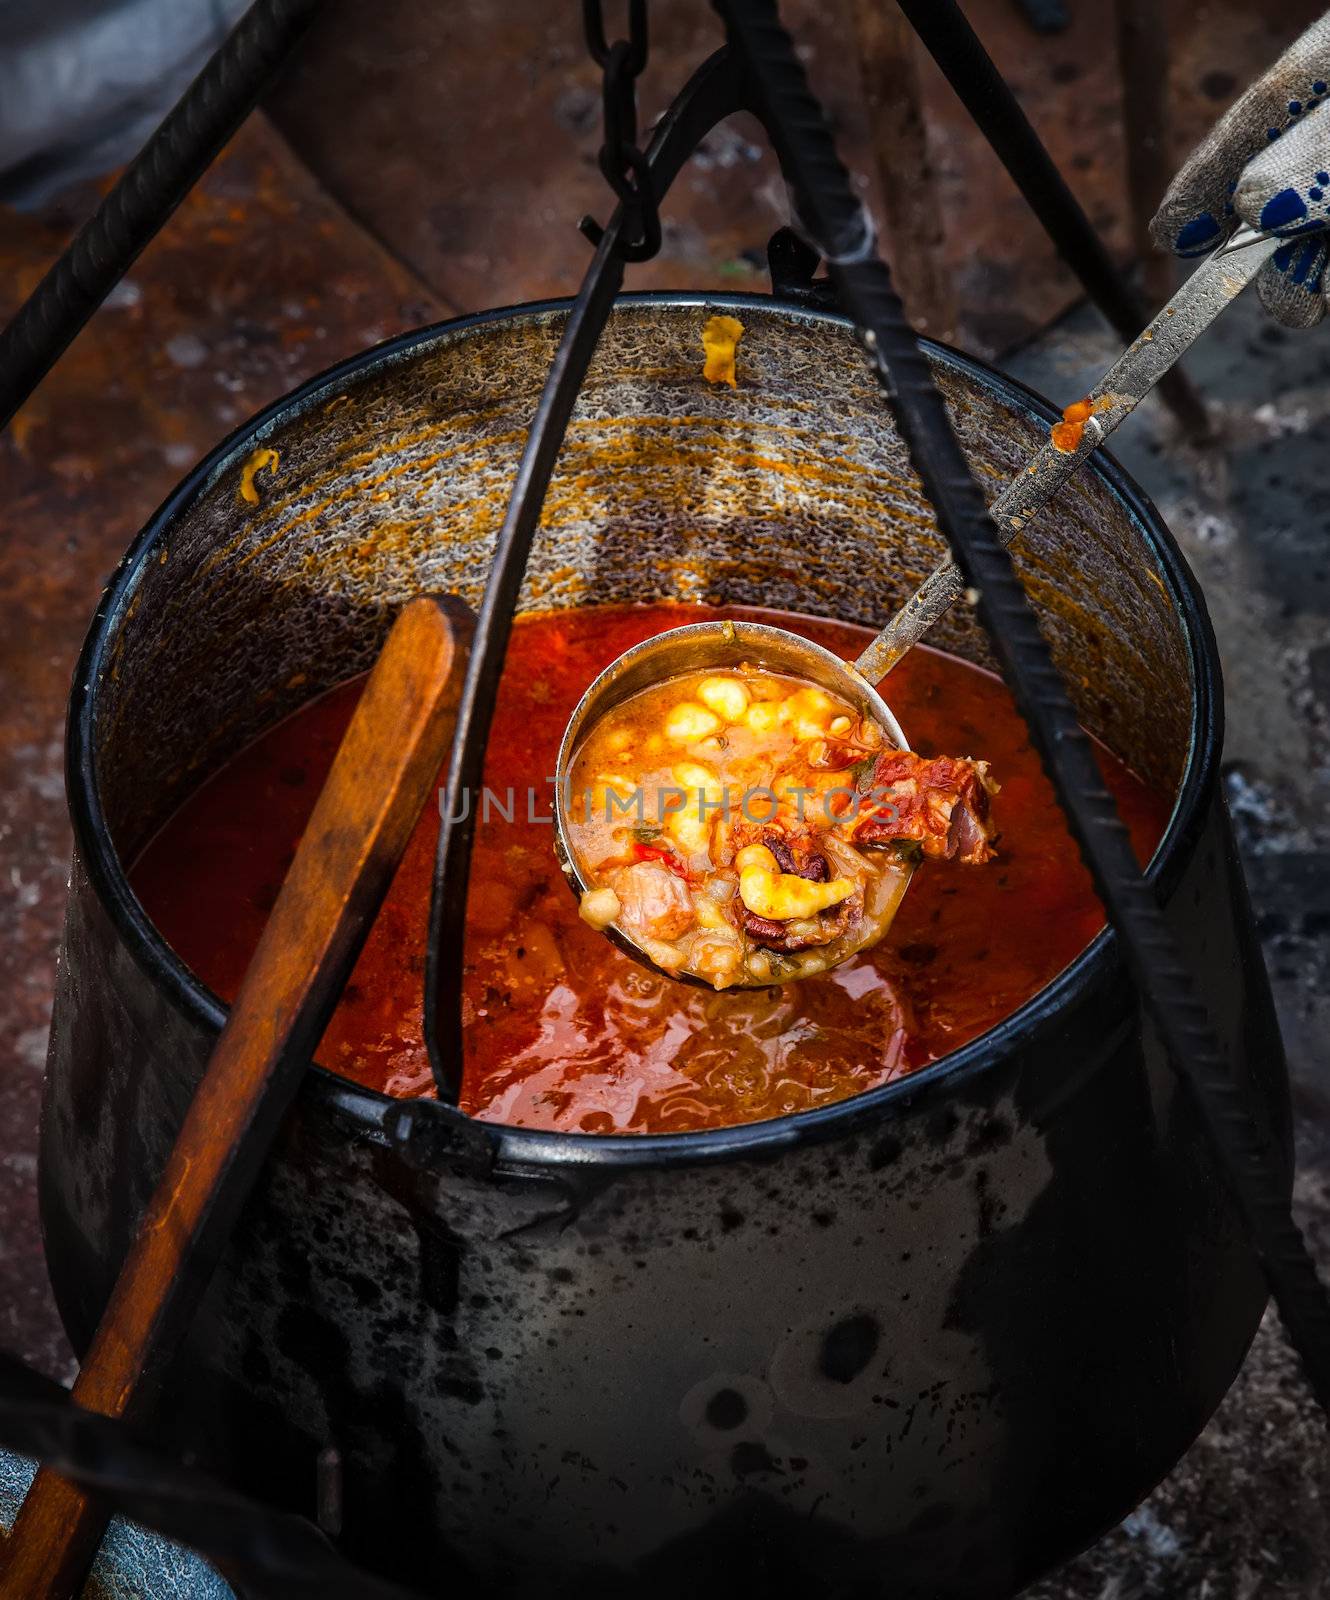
(1266, 162)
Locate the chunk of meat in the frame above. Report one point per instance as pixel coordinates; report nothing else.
(795, 847)
(804, 933)
(939, 804)
(808, 863)
(654, 903)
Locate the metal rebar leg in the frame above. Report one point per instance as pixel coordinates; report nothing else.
(277, 1554)
(888, 65)
(985, 94)
(834, 217)
(149, 190)
(1143, 68)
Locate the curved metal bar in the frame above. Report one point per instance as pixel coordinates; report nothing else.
(714, 91)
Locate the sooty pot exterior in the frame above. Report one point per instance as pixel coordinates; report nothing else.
(927, 1342)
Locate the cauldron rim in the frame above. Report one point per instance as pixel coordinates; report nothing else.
(366, 1109)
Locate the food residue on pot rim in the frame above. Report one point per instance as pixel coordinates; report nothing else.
(720, 336)
(262, 460)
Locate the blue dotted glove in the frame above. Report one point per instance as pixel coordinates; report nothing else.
(1266, 162)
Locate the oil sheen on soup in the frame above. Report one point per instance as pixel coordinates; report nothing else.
(564, 1031)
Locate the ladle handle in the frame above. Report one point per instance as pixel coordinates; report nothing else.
(385, 768)
(1211, 288)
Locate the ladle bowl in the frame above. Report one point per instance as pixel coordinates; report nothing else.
(706, 646)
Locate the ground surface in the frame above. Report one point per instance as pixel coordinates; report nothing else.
(264, 277)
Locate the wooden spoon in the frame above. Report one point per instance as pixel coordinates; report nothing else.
(384, 770)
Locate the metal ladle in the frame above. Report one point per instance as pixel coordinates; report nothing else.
(721, 645)
(705, 646)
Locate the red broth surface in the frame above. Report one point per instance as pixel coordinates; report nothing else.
(564, 1032)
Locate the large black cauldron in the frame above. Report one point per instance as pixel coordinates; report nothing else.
(926, 1342)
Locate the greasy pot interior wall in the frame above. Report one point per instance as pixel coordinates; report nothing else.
(791, 490)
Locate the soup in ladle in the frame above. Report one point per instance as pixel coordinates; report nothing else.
(746, 826)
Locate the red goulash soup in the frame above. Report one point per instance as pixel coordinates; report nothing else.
(562, 1030)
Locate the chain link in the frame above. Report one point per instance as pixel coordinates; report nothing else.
(622, 161)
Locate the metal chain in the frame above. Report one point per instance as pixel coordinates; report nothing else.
(622, 160)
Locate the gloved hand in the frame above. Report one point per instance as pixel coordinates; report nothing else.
(1266, 162)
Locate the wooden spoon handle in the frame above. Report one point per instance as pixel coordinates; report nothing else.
(383, 772)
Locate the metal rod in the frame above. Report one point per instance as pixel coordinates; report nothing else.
(834, 216)
(148, 191)
(888, 67)
(1142, 44)
(452, 870)
(986, 95)
(277, 1555)
(712, 93)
